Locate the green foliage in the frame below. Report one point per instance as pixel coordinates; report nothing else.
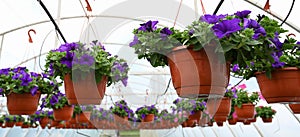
(121, 109)
(244, 97)
(145, 110)
(13, 118)
(265, 111)
(189, 105)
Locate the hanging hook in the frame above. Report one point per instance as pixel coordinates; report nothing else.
(88, 7)
(30, 39)
(267, 6)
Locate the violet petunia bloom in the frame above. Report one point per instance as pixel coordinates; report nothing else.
(276, 43)
(26, 79)
(191, 32)
(165, 32)
(1, 91)
(33, 74)
(242, 14)
(277, 63)
(135, 41)
(212, 19)
(4, 71)
(67, 60)
(251, 23)
(16, 76)
(86, 60)
(34, 90)
(235, 68)
(125, 81)
(67, 47)
(149, 26)
(226, 27)
(259, 32)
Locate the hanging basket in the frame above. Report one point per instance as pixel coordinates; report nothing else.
(245, 112)
(223, 111)
(192, 75)
(63, 114)
(22, 104)
(283, 87)
(85, 91)
(295, 108)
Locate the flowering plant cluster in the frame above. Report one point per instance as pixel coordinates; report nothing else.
(56, 100)
(272, 53)
(172, 117)
(82, 59)
(153, 43)
(189, 105)
(20, 80)
(141, 112)
(121, 109)
(13, 118)
(245, 97)
(101, 114)
(42, 114)
(265, 111)
(83, 108)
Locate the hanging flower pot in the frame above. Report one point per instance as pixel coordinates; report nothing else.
(223, 111)
(192, 74)
(295, 108)
(63, 114)
(283, 87)
(85, 91)
(22, 104)
(246, 111)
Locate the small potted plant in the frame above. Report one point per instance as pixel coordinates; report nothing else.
(146, 113)
(103, 119)
(83, 113)
(266, 113)
(44, 117)
(192, 108)
(26, 87)
(11, 120)
(62, 110)
(244, 104)
(86, 70)
(122, 110)
(225, 107)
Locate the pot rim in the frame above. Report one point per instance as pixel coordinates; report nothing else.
(279, 69)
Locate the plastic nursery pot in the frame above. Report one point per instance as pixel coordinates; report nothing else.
(22, 104)
(44, 122)
(266, 120)
(148, 118)
(83, 117)
(85, 91)
(63, 114)
(246, 111)
(197, 73)
(223, 111)
(283, 87)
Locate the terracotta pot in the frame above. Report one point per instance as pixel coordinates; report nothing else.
(22, 104)
(192, 120)
(232, 121)
(83, 117)
(223, 110)
(73, 120)
(19, 124)
(295, 108)
(86, 91)
(192, 75)
(247, 122)
(25, 126)
(54, 123)
(148, 118)
(267, 120)
(44, 122)
(246, 111)
(9, 124)
(284, 87)
(252, 119)
(63, 114)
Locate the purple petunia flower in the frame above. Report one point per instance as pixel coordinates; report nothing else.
(86, 60)
(212, 19)
(242, 14)
(276, 42)
(149, 26)
(235, 68)
(34, 90)
(67, 47)
(277, 63)
(226, 27)
(67, 60)
(33, 74)
(125, 81)
(1, 91)
(191, 32)
(4, 71)
(16, 76)
(143, 116)
(165, 32)
(135, 41)
(26, 79)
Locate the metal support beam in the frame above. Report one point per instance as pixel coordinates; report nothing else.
(218, 7)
